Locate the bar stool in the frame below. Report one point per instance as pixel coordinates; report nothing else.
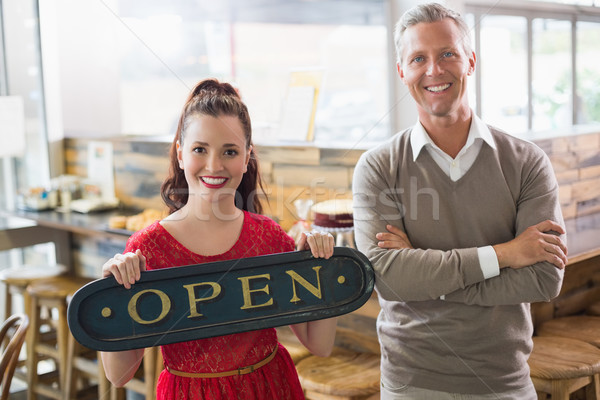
(52, 294)
(560, 366)
(594, 309)
(16, 280)
(344, 375)
(579, 327)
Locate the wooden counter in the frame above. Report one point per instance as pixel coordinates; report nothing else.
(583, 237)
(18, 232)
(95, 223)
(19, 229)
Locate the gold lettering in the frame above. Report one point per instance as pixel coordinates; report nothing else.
(316, 291)
(132, 306)
(248, 292)
(216, 290)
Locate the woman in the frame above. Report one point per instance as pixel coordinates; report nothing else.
(211, 192)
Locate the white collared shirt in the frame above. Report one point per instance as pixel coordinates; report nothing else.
(456, 168)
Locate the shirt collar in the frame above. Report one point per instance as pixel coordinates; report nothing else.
(478, 130)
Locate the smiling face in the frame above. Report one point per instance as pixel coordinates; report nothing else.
(214, 157)
(435, 68)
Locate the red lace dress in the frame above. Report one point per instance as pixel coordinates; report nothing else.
(276, 380)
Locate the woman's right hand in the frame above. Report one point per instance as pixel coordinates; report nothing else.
(125, 268)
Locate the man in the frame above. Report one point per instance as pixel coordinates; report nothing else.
(463, 226)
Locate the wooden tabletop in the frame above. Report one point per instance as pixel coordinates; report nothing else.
(583, 237)
(95, 223)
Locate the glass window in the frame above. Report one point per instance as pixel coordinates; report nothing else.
(21, 76)
(552, 74)
(353, 98)
(472, 84)
(588, 74)
(510, 51)
(503, 63)
(20, 33)
(164, 49)
(160, 58)
(574, 2)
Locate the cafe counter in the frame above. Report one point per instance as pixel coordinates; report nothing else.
(66, 230)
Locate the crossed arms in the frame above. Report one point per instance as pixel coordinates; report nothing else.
(530, 263)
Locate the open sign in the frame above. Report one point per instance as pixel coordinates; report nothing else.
(213, 299)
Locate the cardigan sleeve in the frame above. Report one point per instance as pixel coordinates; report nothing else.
(405, 274)
(537, 201)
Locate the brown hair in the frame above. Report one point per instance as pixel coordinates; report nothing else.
(213, 98)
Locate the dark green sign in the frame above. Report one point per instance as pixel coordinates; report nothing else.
(213, 299)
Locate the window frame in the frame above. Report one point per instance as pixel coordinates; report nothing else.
(532, 10)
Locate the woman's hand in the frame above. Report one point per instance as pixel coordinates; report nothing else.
(319, 243)
(394, 238)
(125, 268)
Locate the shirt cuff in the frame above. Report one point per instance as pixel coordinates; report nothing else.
(488, 261)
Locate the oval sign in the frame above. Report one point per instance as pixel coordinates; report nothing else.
(198, 301)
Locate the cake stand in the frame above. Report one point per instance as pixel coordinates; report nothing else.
(344, 237)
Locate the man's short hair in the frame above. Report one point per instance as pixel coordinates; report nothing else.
(430, 12)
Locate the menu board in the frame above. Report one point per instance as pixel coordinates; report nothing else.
(300, 107)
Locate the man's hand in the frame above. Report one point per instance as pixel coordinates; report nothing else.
(395, 238)
(535, 244)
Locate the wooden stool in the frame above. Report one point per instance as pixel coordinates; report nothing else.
(146, 377)
(16, 281)
(594, 309)
(51, 293)
(84, 363)
(579, 327)
(560, 366)
(344, 375)
(288, 339)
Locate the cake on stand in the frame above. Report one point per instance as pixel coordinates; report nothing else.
(336, 217)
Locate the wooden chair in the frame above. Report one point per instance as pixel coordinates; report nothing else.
(560, 366)
(12, 332)
(344, 375)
